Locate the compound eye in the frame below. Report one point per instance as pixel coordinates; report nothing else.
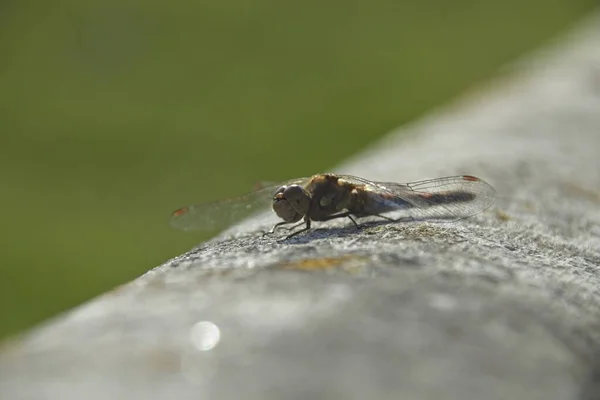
(280, 190)
(284, 209)
(298, 198)
(292, 191)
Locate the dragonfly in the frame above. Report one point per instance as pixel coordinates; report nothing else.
(327, 196)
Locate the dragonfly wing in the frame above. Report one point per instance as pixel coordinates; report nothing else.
(221, 214)
(447, 199)
(443, 199)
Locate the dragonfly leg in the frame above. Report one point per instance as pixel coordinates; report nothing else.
(384, 217)
(401, 219)
(338, 215)
(293, 227)
(307, 221)
(342, 215)
(353, 221)
(277, 225)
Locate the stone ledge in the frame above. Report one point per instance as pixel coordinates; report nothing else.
(503, 305)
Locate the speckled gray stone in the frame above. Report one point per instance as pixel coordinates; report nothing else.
(505, 305)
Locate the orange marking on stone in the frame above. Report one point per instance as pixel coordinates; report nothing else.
(321, 263)
(180, 212)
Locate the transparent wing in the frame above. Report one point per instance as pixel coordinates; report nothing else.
(447, 199)
(221, 214)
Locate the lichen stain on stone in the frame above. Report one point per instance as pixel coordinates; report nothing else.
(581, 192)
(350, 263)
(529, 205)
(502, 215)
(162, 360)
(422, 231)
(156, 283)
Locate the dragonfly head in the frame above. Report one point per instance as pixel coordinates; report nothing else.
(291, 203)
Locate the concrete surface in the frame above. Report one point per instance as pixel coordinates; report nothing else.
(505, 305)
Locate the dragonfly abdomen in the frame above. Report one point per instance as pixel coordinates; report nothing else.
(378, 204)
(447, 197)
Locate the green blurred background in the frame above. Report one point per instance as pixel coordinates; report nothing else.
(115, 112)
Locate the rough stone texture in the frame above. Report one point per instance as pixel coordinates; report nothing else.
(505, 305)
